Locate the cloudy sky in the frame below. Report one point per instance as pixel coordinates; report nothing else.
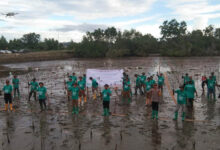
(69, 19)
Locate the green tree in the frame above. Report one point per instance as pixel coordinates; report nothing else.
(3, 43)
(31, 40)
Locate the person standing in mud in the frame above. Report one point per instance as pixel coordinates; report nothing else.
(74, 78)
(126, 93)
(75, 97)
(152, 81)
(143, 80)
(138, 85)
(181, 102)
(185, 79)
(68, 86)
(211, 84)
(106, 93)
(148, 87)
(82, 86)
(15, 82)
(204, 82)
(42, 96)
(34, 86)
(214, 79)
(156, 96)
(94, 88)
(160, 81)
(190, 92)
(8, 90)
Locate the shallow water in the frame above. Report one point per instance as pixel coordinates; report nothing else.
(132, 128)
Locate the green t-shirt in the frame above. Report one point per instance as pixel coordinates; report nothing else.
(152, 82)
(138, 81)
(42, 92)
(81, 85)
(160, 80)
(214, 78)
(84, 79)
(148, 86)
(190, 90)
(211, 83)
(126, 86)
(75, 93)
(34, 86)
(7, 89)
(15, 82)
(181, 96)
(186, 79)
(106, 94)
(69, 85)
(94, 83)
(143, 78)
(74, 79)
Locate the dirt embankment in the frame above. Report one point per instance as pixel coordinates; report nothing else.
(35, 56)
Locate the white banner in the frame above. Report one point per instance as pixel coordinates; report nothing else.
(111, 77)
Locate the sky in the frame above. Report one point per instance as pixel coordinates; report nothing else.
(67, 20)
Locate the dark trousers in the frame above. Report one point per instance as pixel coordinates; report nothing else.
(8, 98)
(42, 103)
(16, 90)
(138, 88)
(155, 106)
(106, 104)
(35, 95)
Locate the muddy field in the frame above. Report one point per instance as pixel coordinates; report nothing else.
(130, 129)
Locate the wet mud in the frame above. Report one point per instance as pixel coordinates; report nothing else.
(129, 128)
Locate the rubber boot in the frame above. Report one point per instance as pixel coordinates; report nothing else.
(74, 110)
(183, 116)
(152, 115)
(104, 112)
(85, 100)
(11, 108)
(107, 112)
(80, 100)
(129, 100)
(156, 112)
(77, 110)
(94, 96)
(6, 107)
(175, 116)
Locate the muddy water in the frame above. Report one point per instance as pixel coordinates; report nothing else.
(131, 129)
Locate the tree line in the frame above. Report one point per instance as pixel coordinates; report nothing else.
(175, 41)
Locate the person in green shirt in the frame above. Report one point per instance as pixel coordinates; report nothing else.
(34, 86)
(190, 92)
(211, 83)
(152, 81)
(185, 79)
(214, 79)
(7, 90)
(106, 93)
(68, 86)
(75, 97)
(138, 84)
(191, 79)
(15, 82)
(181, 102)
(148, 87)
(74, 78)
(94, 88)
(126, 93)
(84, 78)
(82, 86)
(42, 96)
(143, 79)
(160, 81)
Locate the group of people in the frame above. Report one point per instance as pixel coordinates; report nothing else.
(76, 91)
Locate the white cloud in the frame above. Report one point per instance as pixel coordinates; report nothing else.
(198, 11)
(152, 29)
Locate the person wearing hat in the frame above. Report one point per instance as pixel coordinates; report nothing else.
(75, 97)
(34, 86)
(68, 86)
(181, 102)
